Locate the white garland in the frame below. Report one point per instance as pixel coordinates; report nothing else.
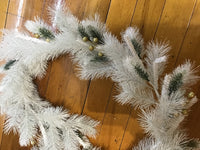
(53, 127)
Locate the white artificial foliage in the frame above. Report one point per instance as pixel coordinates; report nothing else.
(63, 19)
(156, 60)
(26, 111)
(135, 69)
(189, 76)
(170, 143)
(34, 26)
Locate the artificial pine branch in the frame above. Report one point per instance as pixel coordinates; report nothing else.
(45, 33)
(9, 64)
(137, 46)
(190, 144)
(80, 135)
(99, 59)
(95, 33)
(83, 32)
(60, 132)
(144, 75)
(175, 83)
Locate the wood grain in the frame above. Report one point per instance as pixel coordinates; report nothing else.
(3, 7)
(120, 15)
(190, 50)
(26, 8)
(147, 16)
(173, 25)
(2, 23)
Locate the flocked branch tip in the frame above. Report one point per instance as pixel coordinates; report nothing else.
(137, 46)
(175, 83)
(45, 33)
(9, 64)
(144, 75)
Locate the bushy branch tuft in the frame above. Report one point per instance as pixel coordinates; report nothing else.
(190, 144)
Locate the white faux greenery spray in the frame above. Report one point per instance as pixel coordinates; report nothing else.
(135, 68)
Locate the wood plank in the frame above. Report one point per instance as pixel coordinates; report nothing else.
(190, 47)
(3, 6)
(120, 15)
(26, 8)
(42, 82)
(146, 17)
(11, 142)
(134, 133)
(83, 8)
(113, 124)
(190, 50)
(2, 119)
(97, 101)
(14, 22)
(98, 7)
(173, 25)
(64, 88)
(2, 23)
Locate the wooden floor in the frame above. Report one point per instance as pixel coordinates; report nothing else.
(165, 20)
